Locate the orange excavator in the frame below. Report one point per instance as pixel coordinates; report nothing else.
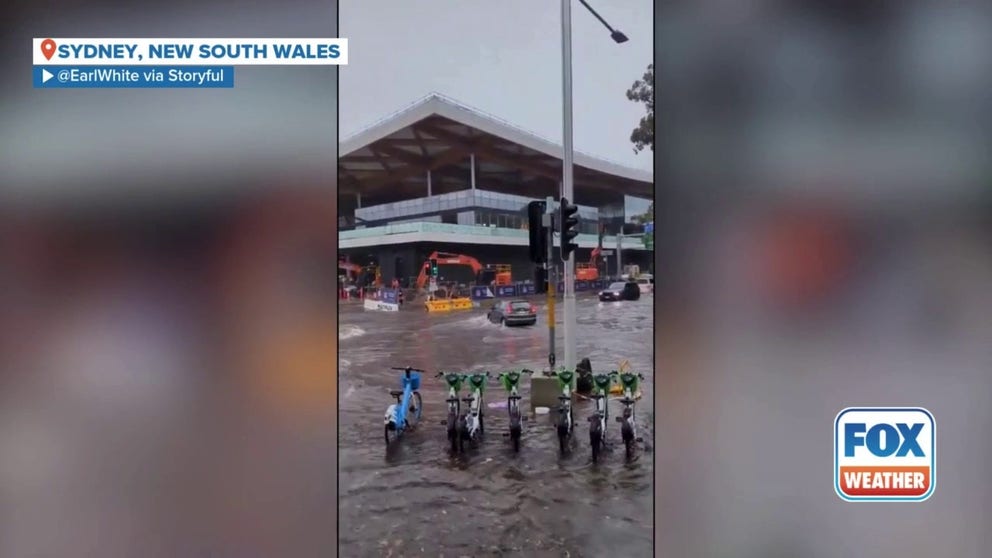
(444, 258)
(364, 276)
(353, 270)
(589, 271)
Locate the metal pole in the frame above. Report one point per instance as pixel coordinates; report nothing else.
(568, 319)
(619, 250)
(551, 284)
(472, 165)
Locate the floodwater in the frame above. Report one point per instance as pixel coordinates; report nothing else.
(417, 499)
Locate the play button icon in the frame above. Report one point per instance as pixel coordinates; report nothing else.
(46, 75)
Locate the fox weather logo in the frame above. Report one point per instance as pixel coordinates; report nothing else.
(884, 454)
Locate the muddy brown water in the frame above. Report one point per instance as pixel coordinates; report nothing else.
(414, 498)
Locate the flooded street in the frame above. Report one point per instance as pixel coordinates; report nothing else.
(416, 499)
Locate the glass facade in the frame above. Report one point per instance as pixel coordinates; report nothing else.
(468, 207)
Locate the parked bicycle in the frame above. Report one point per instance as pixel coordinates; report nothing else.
(628, 427)
(455, 422)
(566, 379)
(473, 427)
(601, 384)
(511, 383)
(408, 404)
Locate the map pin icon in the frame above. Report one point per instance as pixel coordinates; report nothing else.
(48, 48)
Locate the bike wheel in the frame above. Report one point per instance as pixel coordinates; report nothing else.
(515, 438)
(387, 431)
(595, 439)
(628, 439)
(482, 427)
(563, 432)
(418, 407)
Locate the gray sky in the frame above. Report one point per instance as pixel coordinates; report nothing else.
(504, 58)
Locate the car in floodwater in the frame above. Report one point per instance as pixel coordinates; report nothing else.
(621, 290)
(513, 313)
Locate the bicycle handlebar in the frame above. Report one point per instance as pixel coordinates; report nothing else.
(524, 371)
(407, 369)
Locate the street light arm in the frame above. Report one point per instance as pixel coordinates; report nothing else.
(599, 17)
(617, 35)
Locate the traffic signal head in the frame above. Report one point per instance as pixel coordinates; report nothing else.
(569, 220)
(538, 232)
(433, 267)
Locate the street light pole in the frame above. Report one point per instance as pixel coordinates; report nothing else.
(567, 186)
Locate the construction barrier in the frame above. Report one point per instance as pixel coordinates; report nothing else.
(506, 290)
(481, 293)
(448, 305)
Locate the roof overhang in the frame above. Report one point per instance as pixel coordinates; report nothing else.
(391, 159)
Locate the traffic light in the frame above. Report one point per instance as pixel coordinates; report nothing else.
(538, 232)
(433, 267)
(569, 220)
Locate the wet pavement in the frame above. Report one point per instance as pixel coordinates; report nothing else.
(417, 499)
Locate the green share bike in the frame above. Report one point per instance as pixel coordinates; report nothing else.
(511, 383)
(566, 379)
(601, 384)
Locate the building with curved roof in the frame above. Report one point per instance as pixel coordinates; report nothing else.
(439, 175)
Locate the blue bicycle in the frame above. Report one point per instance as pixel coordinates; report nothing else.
(407, 401)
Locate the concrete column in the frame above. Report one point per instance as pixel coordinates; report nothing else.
(428, 183)
(472, 166)
(358, 199)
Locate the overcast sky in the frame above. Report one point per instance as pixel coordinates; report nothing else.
(502, 57)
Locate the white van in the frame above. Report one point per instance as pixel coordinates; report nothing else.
(646, 283)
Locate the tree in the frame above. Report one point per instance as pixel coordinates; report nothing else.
(643, 92)
(646, 217)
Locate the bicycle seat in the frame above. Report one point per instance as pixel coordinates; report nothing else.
(597, 396)
(516, 397)
(468, 399)
(451, 400)
(627, 401)
(564, 398)
(396, 392)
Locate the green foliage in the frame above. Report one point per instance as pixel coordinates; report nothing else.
(642, 91)
(646, 217)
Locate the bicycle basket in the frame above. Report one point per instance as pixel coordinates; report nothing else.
(602, 381)
(414, 381)
(629, 380)
(454, 381)
(477, 381)
(510, 380)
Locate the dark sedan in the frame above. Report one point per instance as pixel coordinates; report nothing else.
(620, 291)
(517, 312)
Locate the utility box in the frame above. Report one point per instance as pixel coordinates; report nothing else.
(544, 392)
